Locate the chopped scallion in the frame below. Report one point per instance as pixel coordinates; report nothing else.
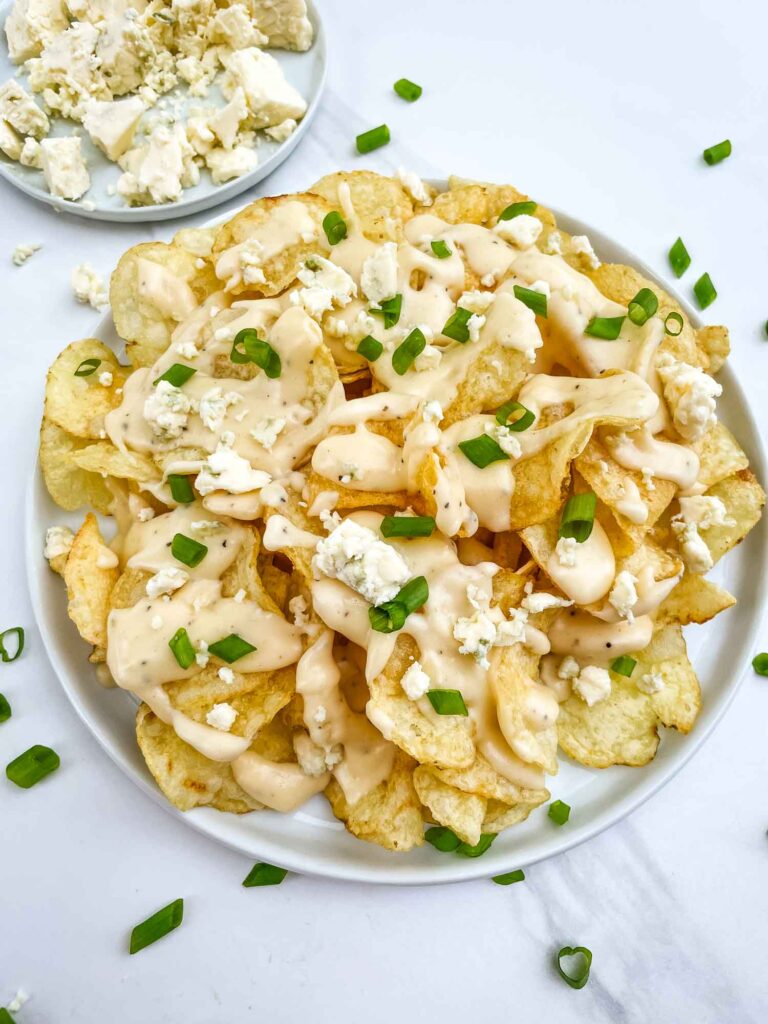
(391, 615)
(447, 702)
(440, 249)
(231, 648)
(370, 349)
(5, 708)
(559, 812)
(407, 90)
(178, 374)
(185, 549)
(510, 878)
(623, 666)
(407, 526)
(479, 848)
(483, 450)
(87, 367)
(389, 310)
(679, 259)
(443, 839)
(673, 324)
(704, 291)
(264, 874)
(15, 652)
(181, 488)
(248, 347)
(34, 764)
(714, 154)
(374, 138)
(182, 648)
(157, 926)
(515, 209)
(456, 325)
(578, 516)
(408, 350)
(579, 975)
(517, 423)
(535, 301)
(642, 307)
(335, 227)
(606, 328)
(760, 664)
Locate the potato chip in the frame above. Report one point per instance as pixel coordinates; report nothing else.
(744, 499)
(382, 205)
(719, 455)
(389, 815)
(90, 574)
(69, 486)
(79, 404)
(105, 459)
(463, 813)
(694, 599)
(678, 701)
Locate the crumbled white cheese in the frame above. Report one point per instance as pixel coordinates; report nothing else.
(267, 431)
(569, 668)
(522, 231)
(592, 684)
(706, 511)
(221, 716)
(271, 98)
(506, 439)
(225, 470)
(691, 395)
(23, 252)
(226, 675)
(159, 171)
(415, 187)
(581, 244)
(540, 286)
(166, 581)
(225, 123)
(214, 405)
(648, 476)
(58, 541)
(19, 110)
(542, 602)
(18, 1001)
(281, 132)
(565, 550)
(106, 378)
(623, 596)
(88, 286)
(693, 547)
(145, 514)
(64, 168)
(476, 302)
(356, 556)
(476, 635)
(111, 124)
(166, 410)
(512, 630)
(31, 155)
(188, 350)
(226, 164)
(554, 244)
(202, 657)
(378, 278)
(299, 609)
(432, 412)
(475, 325)
(429, 358)
(651, 682)
(415, 681)
(325, 284)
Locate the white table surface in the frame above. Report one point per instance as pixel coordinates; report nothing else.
(598, 108)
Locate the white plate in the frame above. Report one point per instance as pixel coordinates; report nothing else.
(306, 71)
(311, 841)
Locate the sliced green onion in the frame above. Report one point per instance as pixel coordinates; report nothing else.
(456, 325)
(623, 666)
(515, 209)
(19, 633)
(559, 812)
(519, 423)
(536, 301)
(510, 878)
(33, 765)
(407, 526)
(157, 926)
(87, 367)
(580, 976)
(387, 617)
(714, 154)
(480, 847)
(578, 516)
(391, 615)
(374, 138)
(765, 328)
(408, 350)
(248, 347)
(440, 249)
(182, 648)
(760, 664)
(187, 550)
(607, 328)
(370, 349)
(335, 227)
(264, 874)
(5, 1017)
(447, 702)
(407, 90)
(231, 648)
(181, 488)
(5, 708)
(705, 291)
(177, 375)
(443, 839)
(483, 450)
(679, 258)
(642, 307)
(673, 319)
(389, 310)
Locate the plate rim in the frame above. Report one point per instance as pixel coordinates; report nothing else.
(194, 205)
(458, 869)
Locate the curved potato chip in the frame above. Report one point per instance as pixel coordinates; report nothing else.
(382, 205)
(68, 485)
(622, 729)
(104, 458)
(463, 813)
(79, 404)
(90, 574)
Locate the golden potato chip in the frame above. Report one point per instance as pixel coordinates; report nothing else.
(90, 574)
(382, 205)
(622, 729)
(186, 778)
(198, 241)
(463, 813)
(715, 343)
(678, 701)
(69, 486)
(541, 482)
(500, 816)
(744, 499)
(514, 682)
(79, 404)
(481, 203)
(104, 458)
(484, 780)
(720, 455)
(281, 268)
(694, 599)
(389, 815)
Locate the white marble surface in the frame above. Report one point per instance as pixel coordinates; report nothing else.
(600, 109)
